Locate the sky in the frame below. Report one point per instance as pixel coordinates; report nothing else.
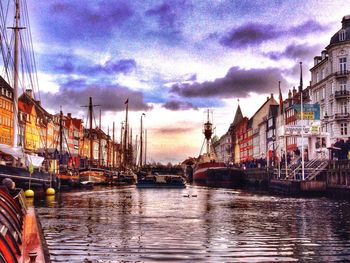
(174, 60)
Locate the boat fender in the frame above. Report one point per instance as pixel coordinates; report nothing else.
(29, 193)
(50, 191)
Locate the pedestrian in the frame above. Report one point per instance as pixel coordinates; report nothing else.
(8, 185)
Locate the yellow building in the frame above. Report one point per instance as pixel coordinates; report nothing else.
(6, 113)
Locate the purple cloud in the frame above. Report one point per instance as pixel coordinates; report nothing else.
(253, 34)
(83, 20)
(237, 83)
(250, 34)
(175, 105)
(296, 52)
(75, 93)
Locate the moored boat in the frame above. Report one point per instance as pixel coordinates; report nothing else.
(94, 176)
(206, 160)
(161, 181)
(20, 233)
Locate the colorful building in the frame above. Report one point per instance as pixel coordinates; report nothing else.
(6, 113)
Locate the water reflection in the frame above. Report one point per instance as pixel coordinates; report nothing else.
(193, 224)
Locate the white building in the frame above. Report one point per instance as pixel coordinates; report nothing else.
(330, 84)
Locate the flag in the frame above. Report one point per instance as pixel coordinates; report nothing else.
(280, 97)
(301, 78)
(127, 101)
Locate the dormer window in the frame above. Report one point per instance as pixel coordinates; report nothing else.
(342, 35)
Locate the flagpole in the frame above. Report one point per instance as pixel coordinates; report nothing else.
(302, 122)
(285, 137)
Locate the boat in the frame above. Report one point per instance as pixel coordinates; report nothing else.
(94, 175)
(207, 160)
(20, 232)
(161, 181)
(18, 159)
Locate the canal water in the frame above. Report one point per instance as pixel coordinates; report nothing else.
(196, 224)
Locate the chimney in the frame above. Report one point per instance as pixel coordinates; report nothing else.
(29, 93)
(271, 95)
(324, 54)
(69, 115)
(294, 91)
(289, 94)
(345, 21)
(267, 98)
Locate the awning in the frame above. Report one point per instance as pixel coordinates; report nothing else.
(36, 161)
(16, 152)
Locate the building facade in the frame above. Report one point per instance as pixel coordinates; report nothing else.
(330, 84)
(6, 113)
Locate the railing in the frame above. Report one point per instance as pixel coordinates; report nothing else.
(339, 116)
(341, 94)
(341, 73)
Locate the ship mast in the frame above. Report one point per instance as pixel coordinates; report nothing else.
(16, 29)
(125, 134)
(208, 132)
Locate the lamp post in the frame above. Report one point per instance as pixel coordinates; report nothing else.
(141, 140)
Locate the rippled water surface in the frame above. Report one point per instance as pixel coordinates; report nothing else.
(193, 225)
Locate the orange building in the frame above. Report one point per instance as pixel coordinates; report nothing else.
(6, 113)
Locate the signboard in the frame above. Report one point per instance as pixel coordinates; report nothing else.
(298, 130)
(310, 111)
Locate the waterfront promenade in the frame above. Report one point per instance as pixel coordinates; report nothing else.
(197, 224)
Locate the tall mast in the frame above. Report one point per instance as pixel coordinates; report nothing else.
(90, 131)
(125, 133)
(113, 149)
(108, 148)
(141, 141)
(145, 162)
(61, 133)
(99, 134)
(16, 75)
(208, 131)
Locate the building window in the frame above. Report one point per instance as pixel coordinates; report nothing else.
(343, 128)
(342, 35)
(344, 107)
(317, 77)
(343, 85)
(331, 109)
(342, 64)
(332, 87)
(322, 73)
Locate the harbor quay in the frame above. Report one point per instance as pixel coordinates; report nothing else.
(174, 131)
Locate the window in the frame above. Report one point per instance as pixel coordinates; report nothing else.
(342, 64)
(322, 73)
(343, 85)
(342, 35)
(317, 77)
(332, 87)
(323, 93)
(343, 128)
(344, 107)
(331, 109)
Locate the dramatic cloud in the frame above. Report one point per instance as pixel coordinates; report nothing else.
(73, 64)
(74, 94)
(178, 105)
(237, 83)
(302, 52)
(253, 34)
(173, 130)
(170, 19)
(83, 20)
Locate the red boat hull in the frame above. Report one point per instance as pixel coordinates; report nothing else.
(200, 176)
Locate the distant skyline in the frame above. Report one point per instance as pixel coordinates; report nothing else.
(175, 59)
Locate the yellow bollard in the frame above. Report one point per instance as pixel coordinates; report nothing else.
(50, 191)
(29, 193)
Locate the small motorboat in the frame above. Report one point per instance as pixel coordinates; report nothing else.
(161, 181)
